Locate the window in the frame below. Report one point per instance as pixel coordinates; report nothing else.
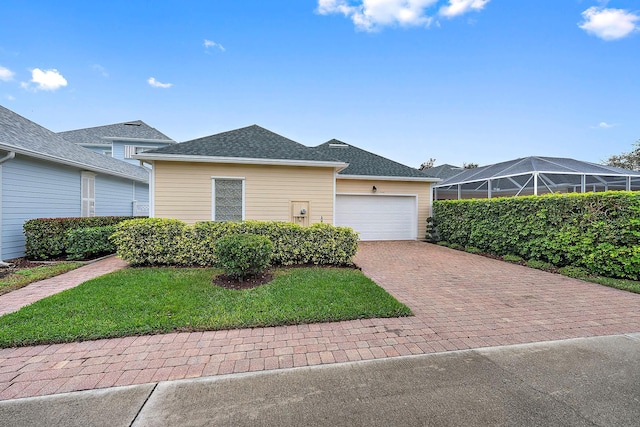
(228, 199)
(132, 150)
(88, 194)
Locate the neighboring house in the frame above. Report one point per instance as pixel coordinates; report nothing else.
(253, 173)
(120, 140)
(443, 172)
(43, 175)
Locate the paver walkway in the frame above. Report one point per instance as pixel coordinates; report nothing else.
(15, 300)
(460, 301)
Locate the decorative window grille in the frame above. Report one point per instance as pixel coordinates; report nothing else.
(228, 199)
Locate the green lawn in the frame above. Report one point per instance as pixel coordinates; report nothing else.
(137, 301)
(26, 276)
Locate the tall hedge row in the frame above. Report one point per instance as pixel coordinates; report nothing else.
(597, 231)
(46, 238)
(158, 241)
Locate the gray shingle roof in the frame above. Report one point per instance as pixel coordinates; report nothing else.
(364, 163)
(24, 136)
(527, 165)
(136, 129)
(445, 171)
(251, 142)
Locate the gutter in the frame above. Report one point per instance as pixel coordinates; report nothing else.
(10, 156)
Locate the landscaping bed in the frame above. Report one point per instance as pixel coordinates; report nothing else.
(140, 301)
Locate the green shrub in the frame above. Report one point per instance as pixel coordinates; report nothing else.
(512, 258)
(45, 238)
(86, 243)
(443, 243)
(456, 246)
(596, 231)
(151, 241)
(243, 255)
(171, 242)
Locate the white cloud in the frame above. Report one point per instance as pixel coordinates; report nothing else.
(460, 7)
(10, 97)
(604, 125)
(6, 74)
(153, 82)
(211, 44)
(100, 70)
(369, 15)
(609, 24)
(45, 80)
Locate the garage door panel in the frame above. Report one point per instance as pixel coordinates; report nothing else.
(378, 217)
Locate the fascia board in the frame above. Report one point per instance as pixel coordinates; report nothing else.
(238, 160)
(389, 178)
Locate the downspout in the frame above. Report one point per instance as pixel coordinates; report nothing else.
(10, 155)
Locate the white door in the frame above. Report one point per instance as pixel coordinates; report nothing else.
(379, 217)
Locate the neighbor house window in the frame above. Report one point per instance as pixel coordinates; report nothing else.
(88, 194)
(228, 199)
(132, 150)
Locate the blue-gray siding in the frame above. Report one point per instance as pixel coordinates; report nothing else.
(33, 188)
(115, 196)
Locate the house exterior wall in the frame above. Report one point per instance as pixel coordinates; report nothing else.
(184, 190)
(421, 189)
(33, 188)
(115, 196)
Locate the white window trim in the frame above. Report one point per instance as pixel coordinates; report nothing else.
(213, 194)
(92, 178)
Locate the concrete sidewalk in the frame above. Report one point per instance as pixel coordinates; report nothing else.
(578, 382)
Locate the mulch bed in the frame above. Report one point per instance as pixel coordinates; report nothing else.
(250, 282)
(19, 264)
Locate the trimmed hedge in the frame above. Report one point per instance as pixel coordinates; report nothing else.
(596, 231)
(86, 243)
(158, 241)
(45, 238)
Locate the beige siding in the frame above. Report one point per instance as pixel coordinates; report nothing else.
(184, 190)
(421, 189)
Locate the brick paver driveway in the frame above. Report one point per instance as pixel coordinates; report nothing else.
(460, 301)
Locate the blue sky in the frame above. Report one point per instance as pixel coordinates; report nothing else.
(456, 80)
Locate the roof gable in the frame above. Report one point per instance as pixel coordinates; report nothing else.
(364, 163)
(251, 142)
(136, 129)
(24, 136)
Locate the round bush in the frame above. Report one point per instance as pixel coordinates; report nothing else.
(243, 255)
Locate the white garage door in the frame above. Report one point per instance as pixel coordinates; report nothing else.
(378, 217)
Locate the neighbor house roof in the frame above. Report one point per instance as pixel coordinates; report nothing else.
(103, 135)
(251, 144)
(443, 172)
(528, 165)
(365, 164)
(28, 138)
